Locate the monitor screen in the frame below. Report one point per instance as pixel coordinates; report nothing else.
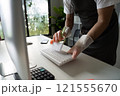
(13, 26)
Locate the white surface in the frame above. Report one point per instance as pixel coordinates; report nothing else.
(84, 67)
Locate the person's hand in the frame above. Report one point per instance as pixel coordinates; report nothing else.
(75, 51)
(62, 34)
(80, 45)
(58, 36)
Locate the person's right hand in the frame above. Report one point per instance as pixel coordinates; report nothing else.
(58, 36)
(62, 34)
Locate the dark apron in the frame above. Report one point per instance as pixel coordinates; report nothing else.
(105, 46)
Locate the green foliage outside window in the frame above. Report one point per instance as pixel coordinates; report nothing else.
(38, 20)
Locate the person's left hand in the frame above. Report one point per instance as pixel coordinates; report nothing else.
(75, 51)
(80, 45)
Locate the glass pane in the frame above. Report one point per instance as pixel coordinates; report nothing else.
(1, 33)
(38, 21)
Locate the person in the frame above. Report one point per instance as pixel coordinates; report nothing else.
(99, 28)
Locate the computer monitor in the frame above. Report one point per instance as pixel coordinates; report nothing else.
(13, 26)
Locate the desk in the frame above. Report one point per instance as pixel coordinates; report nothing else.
(84, 67)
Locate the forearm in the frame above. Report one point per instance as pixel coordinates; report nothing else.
(69, 20)
(68, 25)
(104, 17)
(97, 29)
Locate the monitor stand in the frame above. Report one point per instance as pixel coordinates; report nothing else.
(15, 75)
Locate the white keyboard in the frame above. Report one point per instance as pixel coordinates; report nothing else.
(57, 57)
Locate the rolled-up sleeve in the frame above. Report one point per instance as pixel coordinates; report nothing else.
(105, 3)
(68, 8)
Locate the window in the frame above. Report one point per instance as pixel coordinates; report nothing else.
(37, 13)
(37, 16)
